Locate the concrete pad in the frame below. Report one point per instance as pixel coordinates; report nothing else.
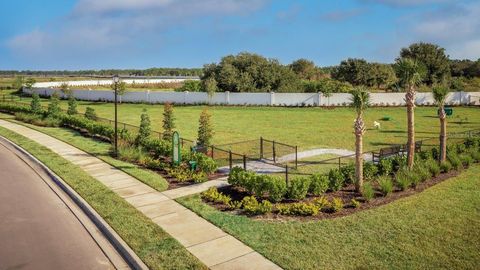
(250, 261)
(193, 189)
(219, 250)
(133, 191)
(146, 199)
(121, 184)
(161, 208)
(188, 228)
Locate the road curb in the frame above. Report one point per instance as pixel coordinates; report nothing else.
(115, 240)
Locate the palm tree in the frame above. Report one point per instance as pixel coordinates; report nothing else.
(410, 73)
(360, 101)
(440, 95)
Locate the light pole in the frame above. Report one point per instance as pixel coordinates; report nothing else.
(116, 79)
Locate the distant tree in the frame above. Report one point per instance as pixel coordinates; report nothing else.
(305, 69)
(410, 73)
(18, 82)
(35, 105)
(360, 101)
(121, 89)
(90, 113)
(380, 75)
(30, 82)
(205, 129)
(191, 86)
(54, 105)
(168, 121)
(210, 85)
(354, 71)
(65, 88)
(440, 95)
(72, 105)
(432, 57)
(144, 130)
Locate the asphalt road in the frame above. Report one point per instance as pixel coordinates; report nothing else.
(39, 227)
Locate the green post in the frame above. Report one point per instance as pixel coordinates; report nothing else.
(176, 153)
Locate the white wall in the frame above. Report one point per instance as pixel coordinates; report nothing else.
(263, 99)
(109, 82)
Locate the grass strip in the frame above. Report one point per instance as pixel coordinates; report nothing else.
(156, 248)
(438, 228)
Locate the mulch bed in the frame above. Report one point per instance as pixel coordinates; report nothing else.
(346, 194)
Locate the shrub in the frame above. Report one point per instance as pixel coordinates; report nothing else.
(475, 154)
(198, 177)
(435, 153)
(233, 176)
(433, 167)
(90, 114)
(399, 162)
(336, 205)
(369, 170)
(460, 147)
(54, 105)
(298, 209)
(275, 187)
(168, 121)
(470, 143)
(348, 173)
(205, 129)
(367, 192)
(454, 161)
(385, 166)
(386, 185)
(144, 130)
(445, 167)
(335, 179)
(422, 172)
(180, 173)
(35, 106)
(402, 178)
(425, 155)
(72, 105)
(252, 207)
(355, 203)
(322, 203)
(204, 163)
(466, 160)
(318, 184)
(298, 188)
(212, 195)
(258, 184)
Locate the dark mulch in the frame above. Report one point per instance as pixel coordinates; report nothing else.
(346, 194)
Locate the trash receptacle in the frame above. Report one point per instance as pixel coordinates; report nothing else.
(193, 165)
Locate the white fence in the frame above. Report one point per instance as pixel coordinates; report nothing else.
(261, 99)
(109, 82)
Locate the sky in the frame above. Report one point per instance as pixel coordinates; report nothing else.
(101, 34)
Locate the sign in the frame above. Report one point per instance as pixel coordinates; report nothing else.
(176, 154)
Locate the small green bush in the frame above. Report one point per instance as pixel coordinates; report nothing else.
(348, 173)
(252, 207)
(402, 178)
(399, 162)
(368, 192)
(35, 105)
(322, 203)
(212, 195)
(455, 161)
(144, 130)
(386, 184)
(370, 170)
(298, 209)
(385, 166)
(466, 160)
(204, 163)
(355, 203)
(72, 105)
(298, 188)
(475, 154)
(275, 187)
(425, 155)
(422, 172)
(433, 167)
(445, 167)
(54, 105)
(435, 153)
(336, 205)
(336, 180)
(318, 184)
(90, 114)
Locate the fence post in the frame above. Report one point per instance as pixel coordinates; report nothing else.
(274, 154)
(244, 162)
(286, 175)
(339, 163)
(296, 157)
(230, 159)
(261, 147)
(211, 155)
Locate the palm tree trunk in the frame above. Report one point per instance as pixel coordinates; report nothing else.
(410, 100)
(359, 130)
(443, 135)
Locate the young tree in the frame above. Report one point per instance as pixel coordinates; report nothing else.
(65, 88)
(54, 105)
(121, 89)
(90, 113)
(72, 105)
(35, 104)
(205, 129)
(305, 69)
(144, 131)
(30, 82)
(360, 101)
(410, 73)
(209, 85)
(18, 83)
(440, 95)
(168, 121)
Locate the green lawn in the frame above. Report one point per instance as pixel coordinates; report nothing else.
(306, 127)
(100, 150)
(156, 248)
(436, 229)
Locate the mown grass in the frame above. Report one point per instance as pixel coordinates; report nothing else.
(155, 247)
(436, 229)
(306, 127)
(100, 150)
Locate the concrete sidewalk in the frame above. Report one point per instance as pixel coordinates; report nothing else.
(214, 247)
